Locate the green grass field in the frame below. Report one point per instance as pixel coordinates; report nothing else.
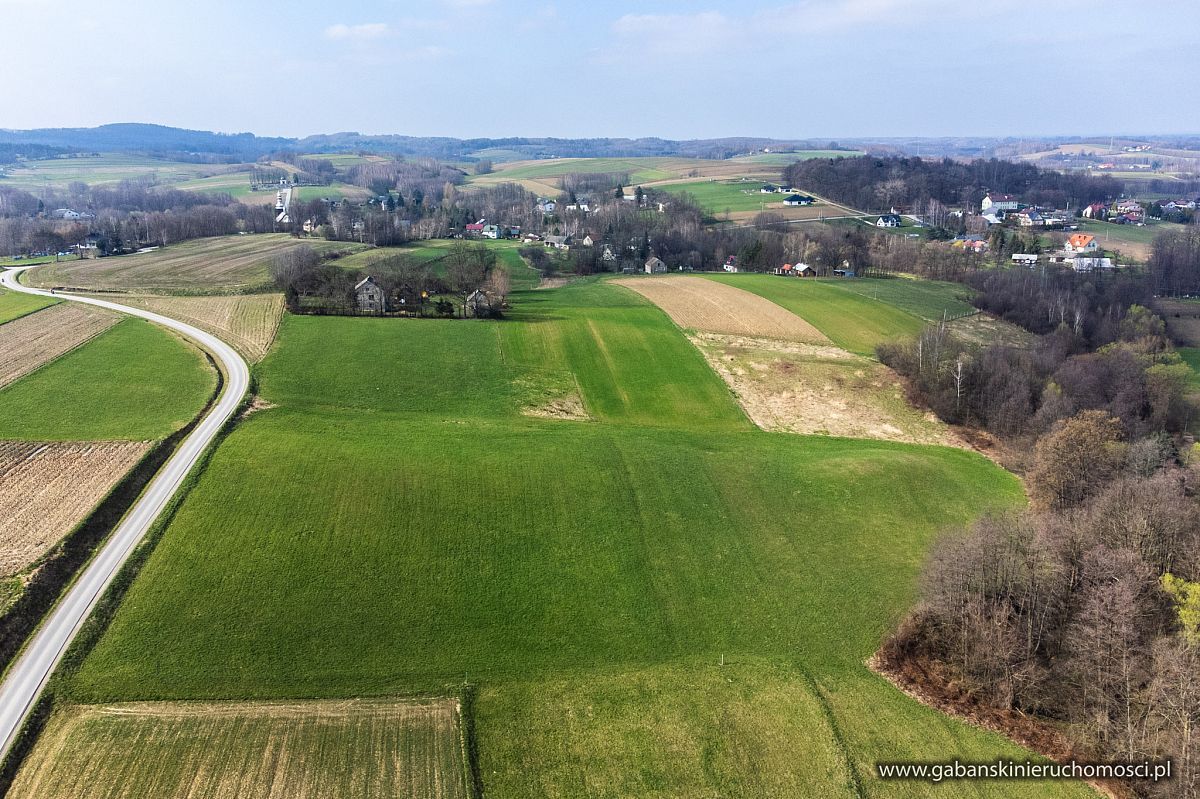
(716, 196)
(134, 382)
(1191, 356)
(14, 305)
(396, 525)
(927, 299)
(852, 320)
(1110, 235)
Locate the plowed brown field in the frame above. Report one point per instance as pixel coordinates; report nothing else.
(705, 305)
(47, 489)
(33, 341)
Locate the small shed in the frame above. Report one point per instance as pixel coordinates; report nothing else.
(655, 266)
(369, 296)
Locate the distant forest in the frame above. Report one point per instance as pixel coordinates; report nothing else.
(874, 183)
(9, 153)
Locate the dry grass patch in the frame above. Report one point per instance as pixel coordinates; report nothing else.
(262, 750)
(986, 330)
(695, 303)
(248, 321)
(33, 341)
(47, 489)
(818, 390)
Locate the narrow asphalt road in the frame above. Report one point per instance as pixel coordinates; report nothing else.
(28, 675)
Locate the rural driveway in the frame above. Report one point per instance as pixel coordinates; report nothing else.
(28, 676)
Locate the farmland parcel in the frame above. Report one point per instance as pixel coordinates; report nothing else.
(302, 750)
(222, 265)
(660, 602)
(47, 489)
(133, 382)
(28, 343)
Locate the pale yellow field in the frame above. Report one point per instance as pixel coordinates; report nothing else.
(47, 489)
(247, 321)
(818, 390)
(33, 341)
(264, 750)
(706, 305)
(220, 265)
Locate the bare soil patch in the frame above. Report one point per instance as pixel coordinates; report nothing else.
(30, 342)
(819, 390)
(251, 750)
(249, 322)
(708, 306)
(47, 489)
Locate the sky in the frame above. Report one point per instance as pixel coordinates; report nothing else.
(682, 70)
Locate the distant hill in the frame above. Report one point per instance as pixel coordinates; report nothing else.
(180, 143)
(201, 145)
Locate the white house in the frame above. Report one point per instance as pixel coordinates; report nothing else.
(999, 202)
(888, 220)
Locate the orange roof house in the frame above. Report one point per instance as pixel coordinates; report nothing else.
(1082, 242)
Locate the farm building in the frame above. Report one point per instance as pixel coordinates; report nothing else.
(474, 228)
(369, 296)
(1025, 259)
(492, 232)
(1091, 264)
(888, 220)
(796, 270)
(655, 266)
(731, 264)
(478, 303)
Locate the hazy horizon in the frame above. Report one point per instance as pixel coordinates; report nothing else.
(504, 68)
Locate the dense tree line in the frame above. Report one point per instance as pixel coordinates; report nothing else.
(1090, 304)
(1083, 610)
(121, 218)
(877, 183)
(315, 283)
(1175, 262)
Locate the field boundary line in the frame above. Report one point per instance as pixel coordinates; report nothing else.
(27, 678)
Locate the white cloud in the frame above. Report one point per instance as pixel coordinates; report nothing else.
(367, 30)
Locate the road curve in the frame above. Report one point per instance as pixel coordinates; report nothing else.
(23, 683)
